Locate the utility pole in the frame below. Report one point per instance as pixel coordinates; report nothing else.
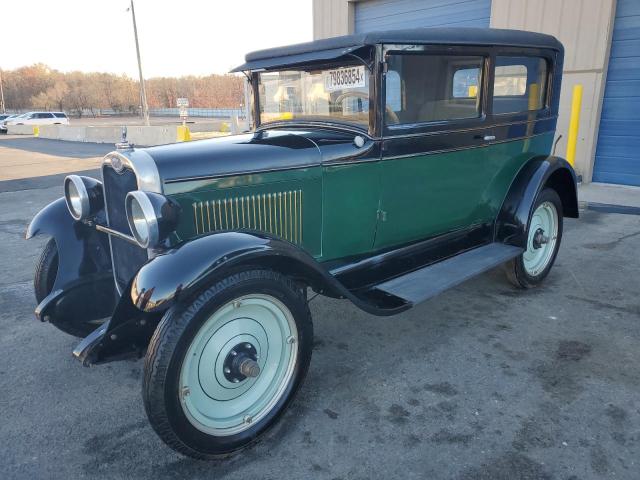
(143, 93)
(4, 110)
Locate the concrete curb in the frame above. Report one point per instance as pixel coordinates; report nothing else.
(138, 135)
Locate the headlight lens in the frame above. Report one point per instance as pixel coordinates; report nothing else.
(142, 218)
(151, 216)
(75, 204)
(84, 196)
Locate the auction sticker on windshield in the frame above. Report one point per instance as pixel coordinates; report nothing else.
(344, 78)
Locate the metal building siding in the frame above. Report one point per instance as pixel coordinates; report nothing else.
(618, 151)
(397, 14)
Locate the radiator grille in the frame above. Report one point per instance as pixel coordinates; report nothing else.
(127, 257)
(277, 213)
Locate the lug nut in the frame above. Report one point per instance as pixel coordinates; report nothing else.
(291, 340)
(248, 419)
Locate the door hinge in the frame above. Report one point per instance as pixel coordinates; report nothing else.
(382, 215)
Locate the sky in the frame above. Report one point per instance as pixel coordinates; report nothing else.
(183, 37)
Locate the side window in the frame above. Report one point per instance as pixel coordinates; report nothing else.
(465, 83)
(520, 84)
(430, 88)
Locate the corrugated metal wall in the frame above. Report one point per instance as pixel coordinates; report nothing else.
(618, 151)
(389, 14)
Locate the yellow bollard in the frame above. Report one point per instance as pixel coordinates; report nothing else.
(574, 124)
(184, 134)
(36, 131)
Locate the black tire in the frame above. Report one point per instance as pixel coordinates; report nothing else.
(515, 269)
(171, 341)
(46, 270)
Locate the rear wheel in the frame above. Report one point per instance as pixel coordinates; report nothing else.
(543, 241)
(222, 369)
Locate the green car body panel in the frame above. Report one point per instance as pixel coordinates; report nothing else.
(351, 209)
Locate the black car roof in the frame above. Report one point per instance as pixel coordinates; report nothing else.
(335, 47)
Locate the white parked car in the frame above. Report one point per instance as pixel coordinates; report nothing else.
(40, 118)
(4, 118)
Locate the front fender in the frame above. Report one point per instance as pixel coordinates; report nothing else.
(184, 270)
(515, 214)
(83, 288)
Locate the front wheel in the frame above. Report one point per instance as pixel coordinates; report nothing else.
(543, 242)
(222, 369)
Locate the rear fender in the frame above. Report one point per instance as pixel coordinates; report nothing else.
(83, 289)
(538, 173)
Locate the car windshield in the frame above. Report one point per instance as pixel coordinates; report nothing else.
(339, 94)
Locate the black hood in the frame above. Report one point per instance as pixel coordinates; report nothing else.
(265, 150)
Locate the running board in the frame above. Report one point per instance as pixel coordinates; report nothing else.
(429, 281)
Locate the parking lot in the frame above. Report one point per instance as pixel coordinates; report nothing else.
(482, 382)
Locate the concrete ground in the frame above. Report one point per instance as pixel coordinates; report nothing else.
(608, 194)
(482, 382)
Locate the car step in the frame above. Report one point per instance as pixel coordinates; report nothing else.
(429, 281)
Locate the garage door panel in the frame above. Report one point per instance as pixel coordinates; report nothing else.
(621, 109)
(611, 127)
(625, 48)
(626, 28)
(622, 89)
(619, 145)
(618, 178)
(617, 158)
(386, 15)
(625, 68)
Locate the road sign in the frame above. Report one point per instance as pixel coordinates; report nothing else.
(183, 103)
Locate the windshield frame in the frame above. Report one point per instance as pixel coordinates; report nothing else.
(369, 128)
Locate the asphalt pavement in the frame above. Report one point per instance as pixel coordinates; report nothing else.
(482, 382)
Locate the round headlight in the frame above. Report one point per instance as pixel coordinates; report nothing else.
(142, 218)
(84, 196)
(77, 197)
(151, 216)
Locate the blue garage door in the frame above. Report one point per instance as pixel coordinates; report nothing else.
(618, 151)
(397, 14)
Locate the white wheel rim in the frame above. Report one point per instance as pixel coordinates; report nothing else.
(542, 239)
(213, 403)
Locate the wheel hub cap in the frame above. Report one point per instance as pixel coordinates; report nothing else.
(241, 362)
(238, 365)
(543, 235)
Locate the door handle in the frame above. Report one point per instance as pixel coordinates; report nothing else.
(486, 138)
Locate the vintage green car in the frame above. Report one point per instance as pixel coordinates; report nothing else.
(383, 168)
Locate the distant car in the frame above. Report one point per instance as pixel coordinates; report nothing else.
(40, 118)
(4, 118)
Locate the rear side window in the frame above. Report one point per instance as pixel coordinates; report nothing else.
(430, 88)
(44, 115)
(60, 115)
(520, 84)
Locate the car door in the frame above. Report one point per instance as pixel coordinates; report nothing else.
(434, 171)
(350, 194)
